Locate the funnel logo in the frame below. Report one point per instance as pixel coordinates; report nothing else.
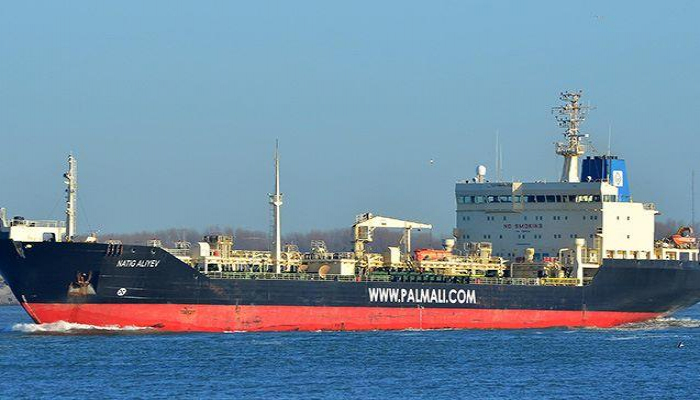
(618, 178)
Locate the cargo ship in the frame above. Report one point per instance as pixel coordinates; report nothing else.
(574, 253)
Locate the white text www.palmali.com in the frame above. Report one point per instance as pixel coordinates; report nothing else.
(437, 296)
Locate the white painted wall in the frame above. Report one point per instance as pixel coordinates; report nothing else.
(549, 227)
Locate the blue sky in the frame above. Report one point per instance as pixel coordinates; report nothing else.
(172, 108)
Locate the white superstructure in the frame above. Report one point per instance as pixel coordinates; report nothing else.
(592, 204)
(25, 230)
(548, 217)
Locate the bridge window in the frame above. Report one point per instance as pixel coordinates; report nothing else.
(505, 199)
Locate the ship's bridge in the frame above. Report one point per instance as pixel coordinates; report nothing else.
(549, 216)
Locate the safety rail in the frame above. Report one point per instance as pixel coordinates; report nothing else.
(178, 252)
(560, 281)
(297, 277)
(329, 256)
(528, 281)
(389, 278)
(504, 281)
(37, 223)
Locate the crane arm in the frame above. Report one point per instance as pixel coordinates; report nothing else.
(366, 223)
(385, 222)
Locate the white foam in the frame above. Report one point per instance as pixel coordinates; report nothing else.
(70, 327)
(663, 323)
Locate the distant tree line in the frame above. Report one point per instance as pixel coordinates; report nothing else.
(335, 239)
(245, 239)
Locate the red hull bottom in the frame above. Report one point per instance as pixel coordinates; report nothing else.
(221, 318)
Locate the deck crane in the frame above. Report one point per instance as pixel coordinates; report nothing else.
(365, 224)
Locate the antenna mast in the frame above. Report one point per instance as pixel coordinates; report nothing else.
(570, 116)
(71, 196)
(276, 202)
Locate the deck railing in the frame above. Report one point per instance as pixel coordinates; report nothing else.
(178, 252)
(389, 278)
(38, 223)
(297, 277)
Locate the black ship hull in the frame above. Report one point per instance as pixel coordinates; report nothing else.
(91, 283)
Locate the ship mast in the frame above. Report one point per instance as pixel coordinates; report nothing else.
(276, 202)
(570, 116)
(71, 196)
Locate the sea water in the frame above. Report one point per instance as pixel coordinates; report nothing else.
(657, 359)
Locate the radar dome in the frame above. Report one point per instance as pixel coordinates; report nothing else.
(481, 170)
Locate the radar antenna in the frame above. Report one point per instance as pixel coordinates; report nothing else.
(570, 116)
